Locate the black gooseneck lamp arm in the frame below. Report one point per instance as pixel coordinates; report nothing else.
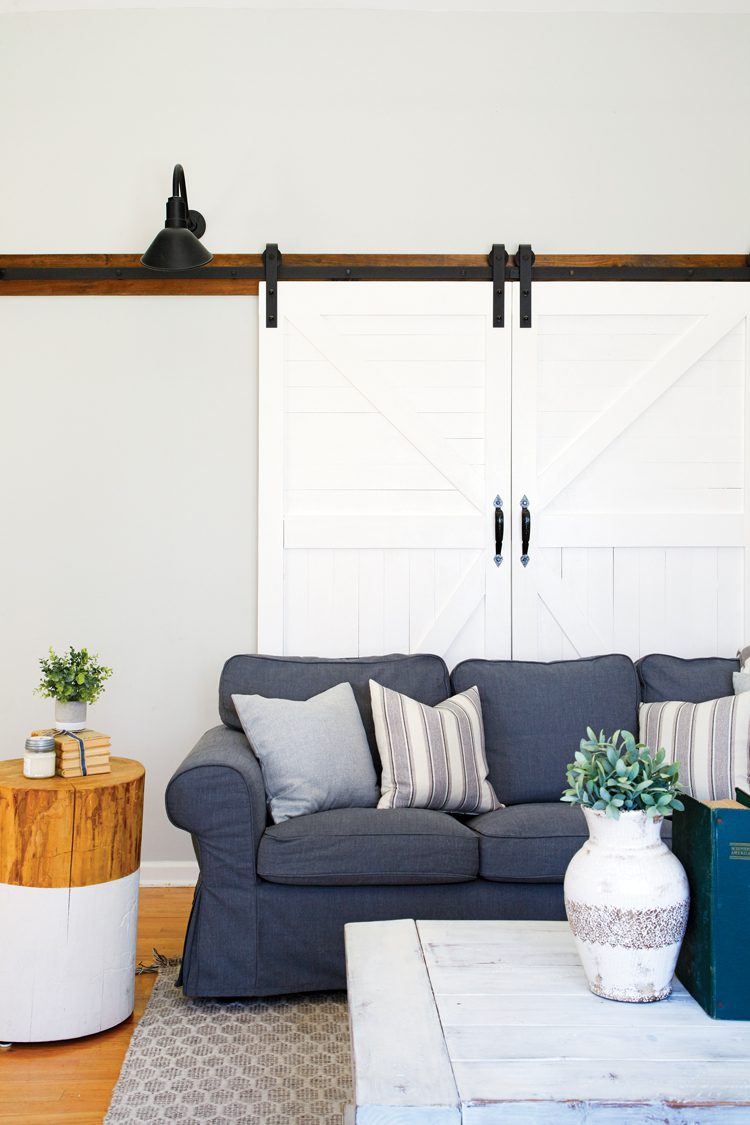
(178, 210)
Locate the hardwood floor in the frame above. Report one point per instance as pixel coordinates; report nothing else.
(73, 1081)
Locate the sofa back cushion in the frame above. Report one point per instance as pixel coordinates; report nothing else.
(422, 676)
(666, 678)
(535, 716)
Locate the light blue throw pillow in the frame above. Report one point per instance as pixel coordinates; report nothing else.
(313, 754)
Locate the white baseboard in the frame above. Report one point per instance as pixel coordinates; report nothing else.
(169, 872)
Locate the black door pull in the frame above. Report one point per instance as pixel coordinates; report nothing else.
(499, 528)
(525, 530)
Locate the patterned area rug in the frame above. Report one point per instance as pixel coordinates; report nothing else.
(281, 1061)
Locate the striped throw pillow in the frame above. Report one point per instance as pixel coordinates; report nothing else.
(710, 740)
(432, 757)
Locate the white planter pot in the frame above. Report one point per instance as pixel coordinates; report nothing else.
(627, 901)
(70, 716)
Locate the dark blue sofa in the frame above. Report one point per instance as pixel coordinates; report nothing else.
(272, 900)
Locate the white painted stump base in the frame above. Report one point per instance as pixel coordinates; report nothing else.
(67, 959)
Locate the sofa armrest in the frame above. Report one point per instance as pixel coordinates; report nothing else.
(217, 795)
(218, 791)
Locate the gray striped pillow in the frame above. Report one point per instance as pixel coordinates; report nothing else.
(432, 757)
(710, 740)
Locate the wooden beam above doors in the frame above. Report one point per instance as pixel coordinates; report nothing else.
(45, 275)
(65, 275)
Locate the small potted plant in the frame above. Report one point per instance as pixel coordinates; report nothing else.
(72, 681)
(626, 895)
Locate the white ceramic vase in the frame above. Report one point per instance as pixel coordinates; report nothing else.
(70, 716)
(627, 901)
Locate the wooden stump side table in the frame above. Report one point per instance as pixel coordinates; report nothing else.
(69, 873)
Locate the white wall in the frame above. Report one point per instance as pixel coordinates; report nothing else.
(128, 424)
(128, 470)
(377, 130)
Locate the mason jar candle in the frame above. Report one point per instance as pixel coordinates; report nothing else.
(39, 756)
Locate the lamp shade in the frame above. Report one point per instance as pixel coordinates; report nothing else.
(177, 247)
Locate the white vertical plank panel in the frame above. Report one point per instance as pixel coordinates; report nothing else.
(690, 622)
(626, 608)
(652, 574)
(550, 639)
(332, 611)
(423, 592)
(322, 625)
(600, 593)
(344, 637)
(574, 575)
(370, 603)
(396, 609)
(704, 576)
(296, 621)
(731, 628)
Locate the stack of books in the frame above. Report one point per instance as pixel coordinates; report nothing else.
(96, 751)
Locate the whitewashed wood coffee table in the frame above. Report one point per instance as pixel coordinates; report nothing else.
(485, 1022)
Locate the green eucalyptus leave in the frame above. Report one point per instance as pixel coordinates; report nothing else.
(619, 774)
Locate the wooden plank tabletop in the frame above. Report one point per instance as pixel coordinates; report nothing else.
(527, 1041)
(388, 1086)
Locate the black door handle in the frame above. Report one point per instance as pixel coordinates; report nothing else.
(525, 530)
(499, 529)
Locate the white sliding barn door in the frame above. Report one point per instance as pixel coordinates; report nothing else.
(384, 439)
(629, 439)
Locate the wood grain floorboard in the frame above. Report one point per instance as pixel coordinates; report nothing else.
(72, 1082)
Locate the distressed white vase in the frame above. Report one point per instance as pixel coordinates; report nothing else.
(627, 900)
(70, 716)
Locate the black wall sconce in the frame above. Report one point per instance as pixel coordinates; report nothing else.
(177, 247)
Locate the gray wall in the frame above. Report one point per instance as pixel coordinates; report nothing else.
(128, 424)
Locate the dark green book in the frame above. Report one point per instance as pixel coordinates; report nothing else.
(712, 840)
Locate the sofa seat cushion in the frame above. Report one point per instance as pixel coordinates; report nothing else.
(533, 843)
(368, 847)
(535, 716)
(529, 843)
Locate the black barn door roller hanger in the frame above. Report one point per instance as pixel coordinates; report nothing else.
(497, 271)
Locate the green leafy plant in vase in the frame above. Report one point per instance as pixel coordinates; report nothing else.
(73, 681)
(617, 774)
(626, 895)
